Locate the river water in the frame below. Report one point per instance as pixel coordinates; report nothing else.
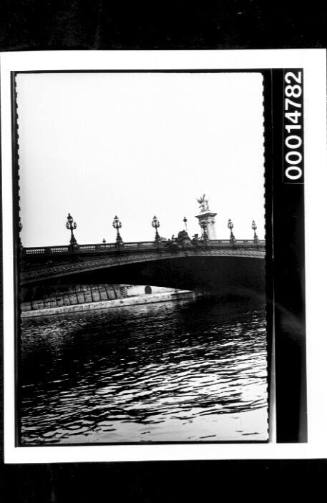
(189, 371)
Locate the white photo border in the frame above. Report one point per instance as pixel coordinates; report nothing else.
(313, 62)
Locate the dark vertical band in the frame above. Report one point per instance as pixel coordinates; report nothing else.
(289, 281)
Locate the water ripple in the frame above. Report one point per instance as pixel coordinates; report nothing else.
(171, 372)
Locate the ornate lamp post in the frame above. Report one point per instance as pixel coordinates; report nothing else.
(185, 223)
(71, 226)
(254, 228)
(230, 226)
(156, 225)
(117, 225)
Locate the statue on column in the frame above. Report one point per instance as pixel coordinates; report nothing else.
(206, 219)
(204, 203)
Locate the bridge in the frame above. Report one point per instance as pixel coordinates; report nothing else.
(220, 266)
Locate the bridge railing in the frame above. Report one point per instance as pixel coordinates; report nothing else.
(142, 245)
(86, 248)
(238, 242)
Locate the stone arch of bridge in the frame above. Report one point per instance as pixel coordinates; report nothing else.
(229, 274)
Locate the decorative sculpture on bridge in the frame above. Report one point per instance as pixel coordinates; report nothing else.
(206, 219)
(204, 203)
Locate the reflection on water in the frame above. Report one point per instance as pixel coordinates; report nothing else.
(187, 371)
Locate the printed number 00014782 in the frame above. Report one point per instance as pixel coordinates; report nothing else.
(293, 123)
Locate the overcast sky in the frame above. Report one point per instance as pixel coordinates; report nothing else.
(138, 145)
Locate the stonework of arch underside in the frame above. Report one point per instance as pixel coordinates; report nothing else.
(219, 275)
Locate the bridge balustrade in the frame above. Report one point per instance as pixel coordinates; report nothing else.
(34, 251)
(143, 245)
(57, 249)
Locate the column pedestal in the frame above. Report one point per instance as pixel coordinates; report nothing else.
(207, 224)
